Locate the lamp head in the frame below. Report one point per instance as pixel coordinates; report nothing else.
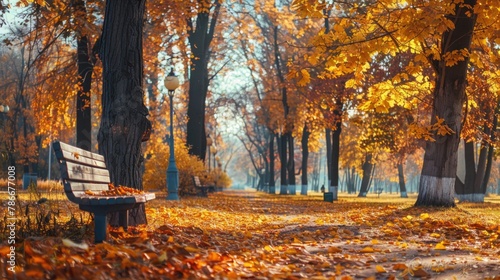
(171, 82)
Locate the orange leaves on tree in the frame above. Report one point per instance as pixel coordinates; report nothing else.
(427, 132)
(453, 57)
(441, 128)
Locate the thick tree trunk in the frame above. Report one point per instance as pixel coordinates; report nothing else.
(124, 124)
(440, 160)
(367, 172)
(401, 177)
(83, 105)
(305, 158)
(200, 37)
(198, 87)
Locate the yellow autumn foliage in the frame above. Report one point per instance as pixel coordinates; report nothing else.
(157, 154)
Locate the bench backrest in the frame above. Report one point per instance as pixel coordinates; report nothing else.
(81, 170)
(196, 181)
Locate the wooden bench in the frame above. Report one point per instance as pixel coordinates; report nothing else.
(83, 171)
(202, 189)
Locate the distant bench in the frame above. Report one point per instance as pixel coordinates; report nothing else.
(83, 171)
(202, 189)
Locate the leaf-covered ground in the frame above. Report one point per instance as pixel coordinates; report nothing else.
(247, 235)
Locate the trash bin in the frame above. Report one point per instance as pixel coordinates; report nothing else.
(328, 197)
(29, 178)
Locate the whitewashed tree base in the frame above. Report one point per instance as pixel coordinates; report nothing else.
(434, 191)
(283, 189)
(292, 189)
(471, 197)
(303, 190)
(404, 195)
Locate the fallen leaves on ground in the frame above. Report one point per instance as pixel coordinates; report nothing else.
(239, 235)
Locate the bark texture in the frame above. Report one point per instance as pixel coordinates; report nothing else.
(124, 123)
(440, 159)
(402, 184)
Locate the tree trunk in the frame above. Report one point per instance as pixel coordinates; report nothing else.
(402, 184)
(285, 169)
(200, 37)
(198, 87)
(491, 150)
(305, 157)
(272, 184)
(351, 179)
(328, 132)
(124, 123)
(440, 160)
(328, 141)
(472, 190)
(367, 172)
(334, 182)
(291, 165)
(283, 156)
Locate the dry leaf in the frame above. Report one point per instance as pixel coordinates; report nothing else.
(367, 250)
(380, 269)
(440, 246)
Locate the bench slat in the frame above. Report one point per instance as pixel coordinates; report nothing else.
(75, 152)
(77, 172)
(81, 186)
(70, 157)
(196, 181)
(114, 200)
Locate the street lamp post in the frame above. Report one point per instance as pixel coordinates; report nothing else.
(209, 144)
(213, 149)
(4, 109)
(171, 83)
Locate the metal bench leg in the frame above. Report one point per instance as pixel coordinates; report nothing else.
(100, 226)
(123, 219)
